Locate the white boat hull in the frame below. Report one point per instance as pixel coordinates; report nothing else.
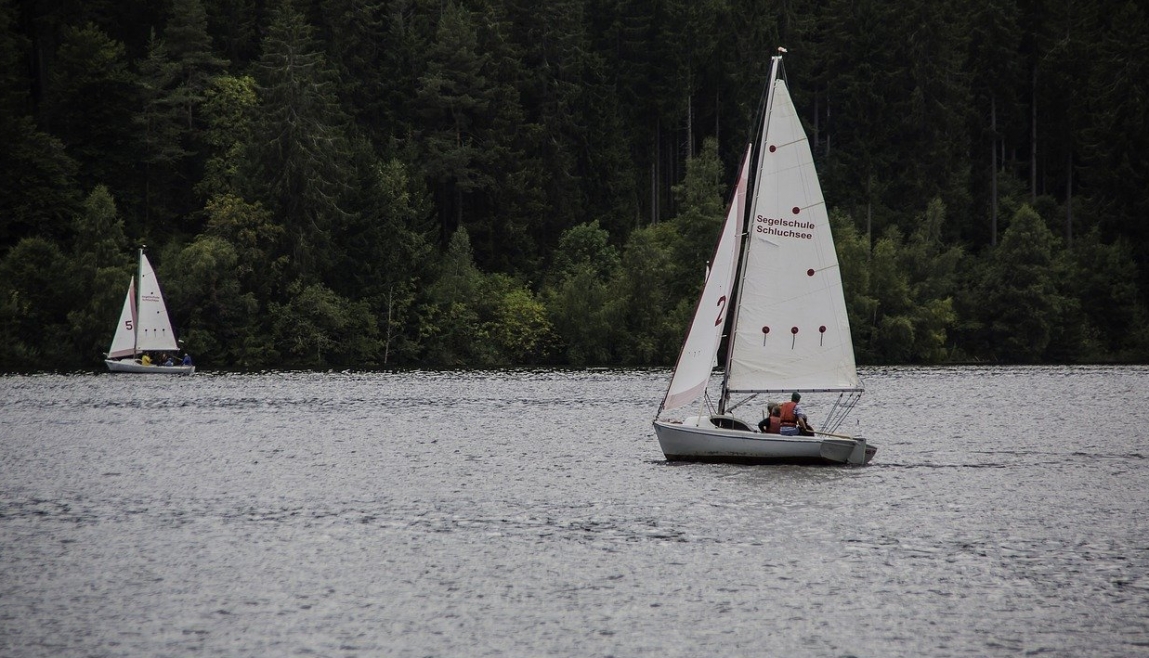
(699, 440)
(127, 365)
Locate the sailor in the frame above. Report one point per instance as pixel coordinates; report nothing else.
(772, 424)
(794, 419)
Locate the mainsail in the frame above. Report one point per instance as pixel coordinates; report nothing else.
(154, 330)
(696, 361)
(791, 331)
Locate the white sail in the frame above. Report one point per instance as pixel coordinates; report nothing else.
(692, 372)
(154, 332)
(124, 340)
(791, 330)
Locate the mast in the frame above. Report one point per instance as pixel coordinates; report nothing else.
(751, 203)
(139, 292)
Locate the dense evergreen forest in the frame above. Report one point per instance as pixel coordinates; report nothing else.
(445, 183)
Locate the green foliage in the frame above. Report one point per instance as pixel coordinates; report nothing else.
(451, 329)
(585, 247)
(90, 65)
(1014, 301)
(1103, 279)
(229, 110)
(249, 229)
(581, 310)
(212, 314)
(641, 300)
(301, 170)
(899, 295)
(301, 157)
(699, 220)
(319, 329)
(37, 290)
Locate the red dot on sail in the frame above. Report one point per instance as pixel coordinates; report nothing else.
(810, 272)
(765, 330)
(822, 329)
(796, 210)
(773, 148)
(793, 330)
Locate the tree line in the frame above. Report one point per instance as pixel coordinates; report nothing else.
(478, 183)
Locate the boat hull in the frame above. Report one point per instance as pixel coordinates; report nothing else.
(703, 442)
(127, 365)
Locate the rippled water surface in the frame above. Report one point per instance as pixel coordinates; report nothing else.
(530, 513)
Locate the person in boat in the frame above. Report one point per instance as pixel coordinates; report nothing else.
(146, 359)
(169, 361)
(794, 419)
(772, 424)
(187, 359)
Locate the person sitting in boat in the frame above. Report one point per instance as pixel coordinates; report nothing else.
(187, 359)
(772, 424)
(169, 361)
(794, 419)
(146, 359)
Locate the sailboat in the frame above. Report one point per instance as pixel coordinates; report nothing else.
(144, 326)
(773, 297)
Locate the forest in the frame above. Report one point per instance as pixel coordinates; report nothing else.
(344, 184)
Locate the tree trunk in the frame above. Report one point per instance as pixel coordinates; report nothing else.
(1069, 199)
(1033, 142)
(993, 170)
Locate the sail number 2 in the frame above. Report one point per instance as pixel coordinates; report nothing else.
(721, 310)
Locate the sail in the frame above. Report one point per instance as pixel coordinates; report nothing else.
(155, 329)
(791, 330)
(124, 340)
(692, 372)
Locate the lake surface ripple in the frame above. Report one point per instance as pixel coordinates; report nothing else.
(531, 513)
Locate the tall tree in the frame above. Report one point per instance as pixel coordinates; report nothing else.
(301, 156)
(454, 98)
(195, 65)
(995, 78)
(38, 192)
(1015, 302)
(160, 131)
(91, 65)
(1115, 141)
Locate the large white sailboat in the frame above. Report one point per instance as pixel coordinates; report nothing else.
(775, 270)
(144, 326)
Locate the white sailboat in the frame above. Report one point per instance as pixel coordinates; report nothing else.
(776, 271)
(144, 326)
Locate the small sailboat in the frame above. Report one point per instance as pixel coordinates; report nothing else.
(775, 282)
(144, 326)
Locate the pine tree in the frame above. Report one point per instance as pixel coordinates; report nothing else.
(301, 155)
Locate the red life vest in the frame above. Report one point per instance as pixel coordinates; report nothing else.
(773, 424)
(788, 417)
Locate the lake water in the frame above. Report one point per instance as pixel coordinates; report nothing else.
(531, 513)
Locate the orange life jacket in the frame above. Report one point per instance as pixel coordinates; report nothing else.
(773, 425)
(788, 417)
